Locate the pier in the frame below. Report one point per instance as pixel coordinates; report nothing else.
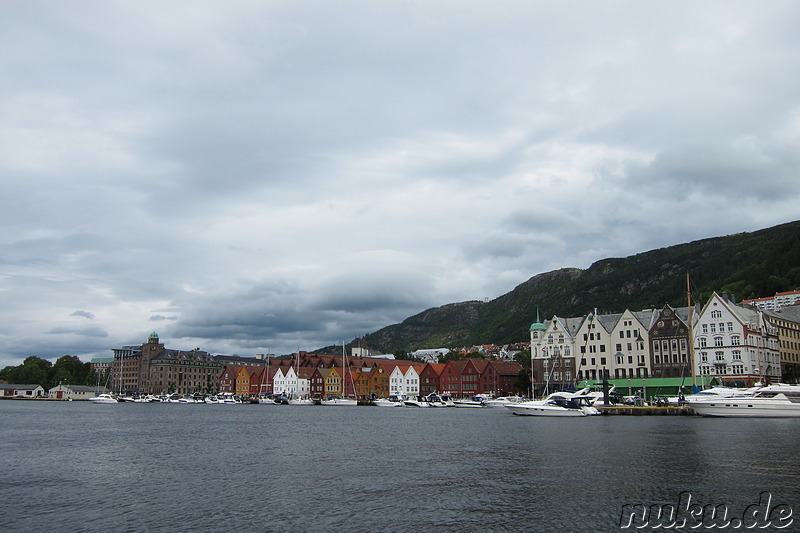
(646, 410)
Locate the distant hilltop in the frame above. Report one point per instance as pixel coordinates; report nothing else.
(747, 265)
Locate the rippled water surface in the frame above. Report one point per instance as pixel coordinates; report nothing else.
(73, 466)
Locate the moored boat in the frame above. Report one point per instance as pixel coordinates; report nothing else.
(339, 401)
(502, 401)
(103, 398)
(557, 404)
(772, 401)
(473, 401)
(391, 401)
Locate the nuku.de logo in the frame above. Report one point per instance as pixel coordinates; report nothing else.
(689, 515)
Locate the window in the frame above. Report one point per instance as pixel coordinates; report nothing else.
(705, 328)
(717, 341)
(730, 326)
(735, 340)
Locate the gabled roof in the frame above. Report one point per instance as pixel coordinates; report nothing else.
(12, 386)
(506, 367)
(436, 367)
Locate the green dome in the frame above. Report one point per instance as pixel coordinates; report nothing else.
(153, 335)
(538, 325)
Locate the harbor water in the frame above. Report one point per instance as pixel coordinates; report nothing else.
(75, 466)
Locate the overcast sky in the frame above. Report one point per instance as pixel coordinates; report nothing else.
(253, 176)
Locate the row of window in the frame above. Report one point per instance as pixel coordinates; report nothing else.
(719, 341)
(706, 328)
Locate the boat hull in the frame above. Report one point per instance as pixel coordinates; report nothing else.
(546, 410)
(746, 408)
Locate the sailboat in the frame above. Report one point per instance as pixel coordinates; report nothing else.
(343, 400)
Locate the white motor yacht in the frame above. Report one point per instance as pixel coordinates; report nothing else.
(557, 404)
(502, 401)
(103, 398)
(772, 401)
(473, 401)
(391, 401)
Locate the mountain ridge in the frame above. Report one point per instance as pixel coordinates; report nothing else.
(749, 265)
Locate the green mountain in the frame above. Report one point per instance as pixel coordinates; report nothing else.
(745, 265)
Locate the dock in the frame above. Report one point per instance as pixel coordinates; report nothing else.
(646, 410)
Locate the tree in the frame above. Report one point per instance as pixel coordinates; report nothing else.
(523, 382)
(69, 370)
(452, 355)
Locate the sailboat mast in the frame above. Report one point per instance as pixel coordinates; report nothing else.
(691, 331)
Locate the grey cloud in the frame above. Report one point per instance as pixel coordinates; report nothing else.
(84, 332)
(269, 175)
(84, 314)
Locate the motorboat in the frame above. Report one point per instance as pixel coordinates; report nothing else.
(431, 400)
(392, 401)
(227, 397)
(267, 400)
(473, 401)
(771, 401)
(502, 401)
(710, 394)
(557, 404)
(339, 401)
(103, 398)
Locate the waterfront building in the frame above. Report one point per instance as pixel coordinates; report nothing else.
(259, 381)
(293, 383)
(669, 343)
(151, 368)
(75, 392)
(553, 353)
(500, 378)
(450, 379)
(430, 378)
(735, 343)
(404, 379)
(242, 382)
(101, 365)
(593, 340)
(333, 382)
(630, 357)
(787, 321)
(13, 390)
